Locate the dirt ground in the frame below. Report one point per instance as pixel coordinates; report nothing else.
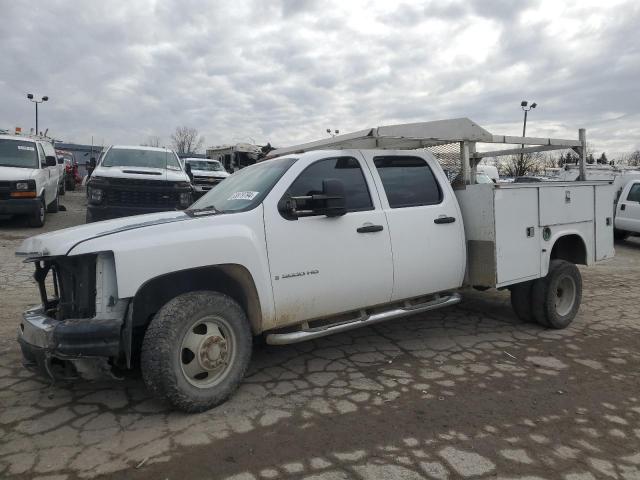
(467, 392)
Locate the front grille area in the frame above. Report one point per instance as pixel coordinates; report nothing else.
(142, 198)
(206, 181)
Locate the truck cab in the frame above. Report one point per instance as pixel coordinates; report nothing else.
(205, 173)
(133, 180)
(627, 220)
(29, 178)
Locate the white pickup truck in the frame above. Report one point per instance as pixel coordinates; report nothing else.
(310, 243)
(627, 221)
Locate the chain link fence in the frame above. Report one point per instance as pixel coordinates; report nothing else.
(448, 155)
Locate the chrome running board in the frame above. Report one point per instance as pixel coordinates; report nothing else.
(364, 320)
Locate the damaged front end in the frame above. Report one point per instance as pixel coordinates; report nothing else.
(80, 328)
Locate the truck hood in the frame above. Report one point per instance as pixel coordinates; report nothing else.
(13, 174)
(145, 173)
(60, 242)
(209, 173)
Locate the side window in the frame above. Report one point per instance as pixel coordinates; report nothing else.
(634, 193)
(408, 181)
(345, 169)
(41, 156)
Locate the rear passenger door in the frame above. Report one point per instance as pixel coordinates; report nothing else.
(425, 224)
(319, 265)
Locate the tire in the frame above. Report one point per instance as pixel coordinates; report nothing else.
(63, 187)
(620, 234)
(556, 298)
(196, 350)
(521, 301)
(88, 217)
(37, 219)
(55, 205)
(70, 184)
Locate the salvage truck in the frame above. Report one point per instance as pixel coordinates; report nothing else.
(320, 238)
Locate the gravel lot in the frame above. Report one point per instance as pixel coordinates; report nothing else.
(468, 392)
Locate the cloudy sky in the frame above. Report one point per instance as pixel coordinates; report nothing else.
(284, 71)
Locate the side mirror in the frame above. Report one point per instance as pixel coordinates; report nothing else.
(51, 161)
(187, 170)
(331, 202)
(92, 163)
(60, 160)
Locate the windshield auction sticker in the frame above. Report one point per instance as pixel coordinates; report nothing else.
(243, 196)
(28, 149)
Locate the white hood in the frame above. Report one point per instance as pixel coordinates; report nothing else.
(142, 173)
(13, 174)
(60, 242)
(209, 173)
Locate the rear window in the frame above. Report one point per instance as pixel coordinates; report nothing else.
(18, 153)
(126, 157)
(408, 181)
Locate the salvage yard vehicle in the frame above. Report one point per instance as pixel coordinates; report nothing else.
(133, 180)
(320, 238)
(29, 178)
(627, 221)
(206, 174)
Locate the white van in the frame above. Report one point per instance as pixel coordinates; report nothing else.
(29, 178)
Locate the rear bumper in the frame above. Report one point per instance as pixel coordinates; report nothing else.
(19, 206)
(43, 339)
(96, 213)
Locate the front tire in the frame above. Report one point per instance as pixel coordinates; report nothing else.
(556, 298)
(196, 350)
(38, 218)
(55, 205)
(620, 234)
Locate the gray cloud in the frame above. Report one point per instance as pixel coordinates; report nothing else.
(285, 71)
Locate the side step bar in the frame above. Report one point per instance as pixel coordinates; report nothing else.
(316, 332)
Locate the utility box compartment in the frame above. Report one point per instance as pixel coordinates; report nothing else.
(511, 228)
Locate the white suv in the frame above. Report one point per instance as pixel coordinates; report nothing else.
(29, 178)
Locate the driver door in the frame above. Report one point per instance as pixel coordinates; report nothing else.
(320, 265)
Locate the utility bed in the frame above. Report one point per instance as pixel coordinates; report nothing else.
(510, 227)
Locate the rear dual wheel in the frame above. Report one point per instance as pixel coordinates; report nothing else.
(552, 301)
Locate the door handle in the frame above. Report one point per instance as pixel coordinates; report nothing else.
(370, 228)
(623, 206)
(444, 219)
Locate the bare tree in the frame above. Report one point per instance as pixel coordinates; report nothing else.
(186, 140)
(519, 165)
(152, 141)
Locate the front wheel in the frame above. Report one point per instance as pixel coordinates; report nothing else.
(55, 205)
(196, 350)
(620, 234)
(556, 298)
(37, 218)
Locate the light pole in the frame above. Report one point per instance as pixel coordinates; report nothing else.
(526, 109)
(43, 99)
(334, 133)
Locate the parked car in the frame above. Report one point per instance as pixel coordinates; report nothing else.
(627, 220)
(132, 180)
(206, 174)
(29, 178)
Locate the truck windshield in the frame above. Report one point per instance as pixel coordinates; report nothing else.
(206, 165)
(245, 189)
(128, 157)
(18, 153)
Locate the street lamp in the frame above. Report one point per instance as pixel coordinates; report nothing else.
(526, 109)
(43, 99)
(334, 133)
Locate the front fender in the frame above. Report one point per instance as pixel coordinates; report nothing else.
(146, 253)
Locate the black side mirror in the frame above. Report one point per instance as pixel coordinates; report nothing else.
(334, 203)
(331, 202)
(60, 160)
(51, 161)
(92, 163)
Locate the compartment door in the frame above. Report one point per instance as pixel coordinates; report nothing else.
(604, 209)
(517, 234)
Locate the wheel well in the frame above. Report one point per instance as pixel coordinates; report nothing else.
(570, 248)
(232, 280)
